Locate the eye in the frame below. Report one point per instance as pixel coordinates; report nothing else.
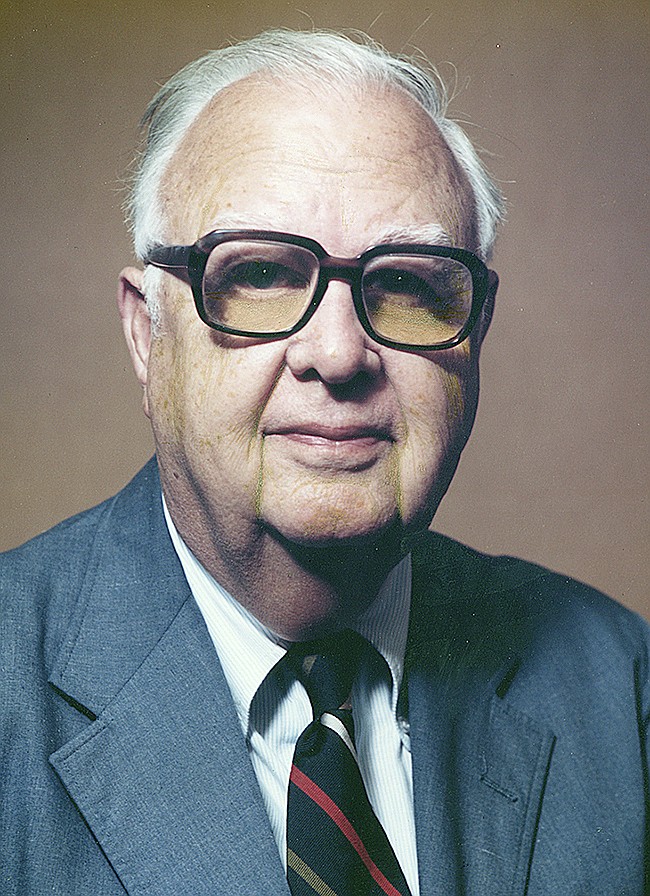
(396, 280)
(406, 286)
(262, 275)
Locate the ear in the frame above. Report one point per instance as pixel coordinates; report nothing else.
(136, 324)
(488, 306)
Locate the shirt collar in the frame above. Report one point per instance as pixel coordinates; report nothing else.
(248, 650)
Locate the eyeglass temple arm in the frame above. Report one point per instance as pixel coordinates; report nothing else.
(168, 256)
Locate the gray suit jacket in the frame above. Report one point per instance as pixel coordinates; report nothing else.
(124, 767)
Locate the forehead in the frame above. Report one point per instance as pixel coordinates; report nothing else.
(314, 158)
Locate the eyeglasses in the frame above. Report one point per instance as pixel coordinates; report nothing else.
(268, 285)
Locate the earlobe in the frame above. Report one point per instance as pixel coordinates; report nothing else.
(136, 322)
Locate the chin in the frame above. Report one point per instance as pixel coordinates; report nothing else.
(322, 523)
(337, 534)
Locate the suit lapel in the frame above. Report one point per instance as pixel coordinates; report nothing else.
(479, 763)
(161, 776)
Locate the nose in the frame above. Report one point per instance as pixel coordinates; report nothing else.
(333, 346)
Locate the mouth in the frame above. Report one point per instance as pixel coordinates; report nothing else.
(337, 447)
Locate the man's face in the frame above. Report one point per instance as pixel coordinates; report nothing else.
(326, 435)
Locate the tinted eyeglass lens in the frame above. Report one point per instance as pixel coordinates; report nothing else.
(417, 299)
(258, 286)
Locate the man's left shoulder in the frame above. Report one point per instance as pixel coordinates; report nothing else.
(526, 601)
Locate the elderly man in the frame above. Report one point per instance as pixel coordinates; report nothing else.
(255, 670)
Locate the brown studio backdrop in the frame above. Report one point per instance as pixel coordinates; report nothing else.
(556, 92)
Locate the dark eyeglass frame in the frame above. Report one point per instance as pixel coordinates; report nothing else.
(189, 263)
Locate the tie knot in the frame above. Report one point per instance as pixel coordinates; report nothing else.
(327, 667)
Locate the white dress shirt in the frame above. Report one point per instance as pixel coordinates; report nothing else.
(273, 717)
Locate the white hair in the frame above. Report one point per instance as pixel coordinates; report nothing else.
(287, 54)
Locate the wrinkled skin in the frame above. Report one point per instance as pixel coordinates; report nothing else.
(293, 467)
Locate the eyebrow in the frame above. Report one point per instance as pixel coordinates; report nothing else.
(234, 222)
(423, 233)
(430, 234)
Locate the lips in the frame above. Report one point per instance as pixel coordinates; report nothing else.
(330, 446)
(332, 433)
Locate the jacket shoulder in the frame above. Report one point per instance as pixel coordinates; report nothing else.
(519, 602)
(40, 580)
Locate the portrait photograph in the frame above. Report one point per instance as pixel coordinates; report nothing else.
(324, 549)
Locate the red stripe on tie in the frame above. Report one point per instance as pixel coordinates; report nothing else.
(314, 792)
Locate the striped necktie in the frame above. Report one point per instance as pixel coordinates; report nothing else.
(335, 843)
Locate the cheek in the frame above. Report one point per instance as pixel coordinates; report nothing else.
(166, 392)
(438, 416)
(435, 405)
(206, 401)
(454, 392)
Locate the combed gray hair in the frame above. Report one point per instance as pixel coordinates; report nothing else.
(286, 54)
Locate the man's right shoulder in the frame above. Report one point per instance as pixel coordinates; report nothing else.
(40, 580)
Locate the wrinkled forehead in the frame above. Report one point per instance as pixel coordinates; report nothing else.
(266, 141)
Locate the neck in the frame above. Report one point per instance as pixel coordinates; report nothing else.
(337, 582)
(298, 591)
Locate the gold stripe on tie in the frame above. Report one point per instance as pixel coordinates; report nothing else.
(317, 884)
